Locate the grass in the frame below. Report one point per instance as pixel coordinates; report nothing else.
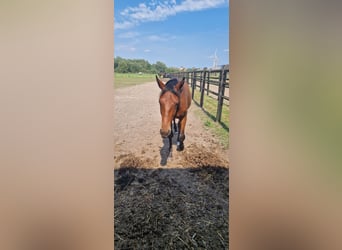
(129, 79)
(219, 129)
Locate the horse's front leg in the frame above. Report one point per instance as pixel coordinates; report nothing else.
(181, 134)
(170, 142)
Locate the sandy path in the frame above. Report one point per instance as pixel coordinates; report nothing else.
(137, 123)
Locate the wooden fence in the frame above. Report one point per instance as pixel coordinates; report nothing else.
(212, 82)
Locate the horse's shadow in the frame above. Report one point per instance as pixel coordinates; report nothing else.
(164, 151)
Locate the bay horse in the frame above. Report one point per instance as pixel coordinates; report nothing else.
(174, 100)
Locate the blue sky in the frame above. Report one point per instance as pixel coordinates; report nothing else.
(180, 33)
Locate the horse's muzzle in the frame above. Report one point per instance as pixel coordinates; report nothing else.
(165, 134)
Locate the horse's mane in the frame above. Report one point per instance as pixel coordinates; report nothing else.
(171, 83)
(169, 86)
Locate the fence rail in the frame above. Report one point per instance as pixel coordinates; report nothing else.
(212, 82)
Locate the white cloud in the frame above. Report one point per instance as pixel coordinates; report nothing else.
(124, 47)
(160, 38)
(128, 35)
(194, 5)
(156, 38)
(147, 50)
(124, 25)
(161, 10)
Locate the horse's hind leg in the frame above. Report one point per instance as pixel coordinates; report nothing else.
(181, 134)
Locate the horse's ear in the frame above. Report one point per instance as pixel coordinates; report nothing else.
(160, 83)
(180, 84)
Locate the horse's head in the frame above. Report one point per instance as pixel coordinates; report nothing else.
(169, 102)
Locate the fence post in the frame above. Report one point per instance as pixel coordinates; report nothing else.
(193, 82)
(203, 74)
(223, 76)
(208, 82)
(219, 86)
(187, 76)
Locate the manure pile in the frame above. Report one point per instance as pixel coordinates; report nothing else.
(172, 208)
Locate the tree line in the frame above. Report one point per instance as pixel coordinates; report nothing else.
(122, 65)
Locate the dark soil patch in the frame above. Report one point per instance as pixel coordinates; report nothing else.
(170, 208)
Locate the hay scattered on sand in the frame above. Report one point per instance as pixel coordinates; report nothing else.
(132, 161)
(196, 156)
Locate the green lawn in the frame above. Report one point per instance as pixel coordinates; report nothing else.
(221, 130)
(129, 79)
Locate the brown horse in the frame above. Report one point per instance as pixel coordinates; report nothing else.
(174, 100)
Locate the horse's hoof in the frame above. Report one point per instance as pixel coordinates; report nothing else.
(180, 147)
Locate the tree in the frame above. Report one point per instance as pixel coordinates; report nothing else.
(160, 67)
(122, 65)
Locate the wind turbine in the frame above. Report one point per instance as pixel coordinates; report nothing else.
(215, 59)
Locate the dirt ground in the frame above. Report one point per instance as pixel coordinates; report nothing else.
(159, 202)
